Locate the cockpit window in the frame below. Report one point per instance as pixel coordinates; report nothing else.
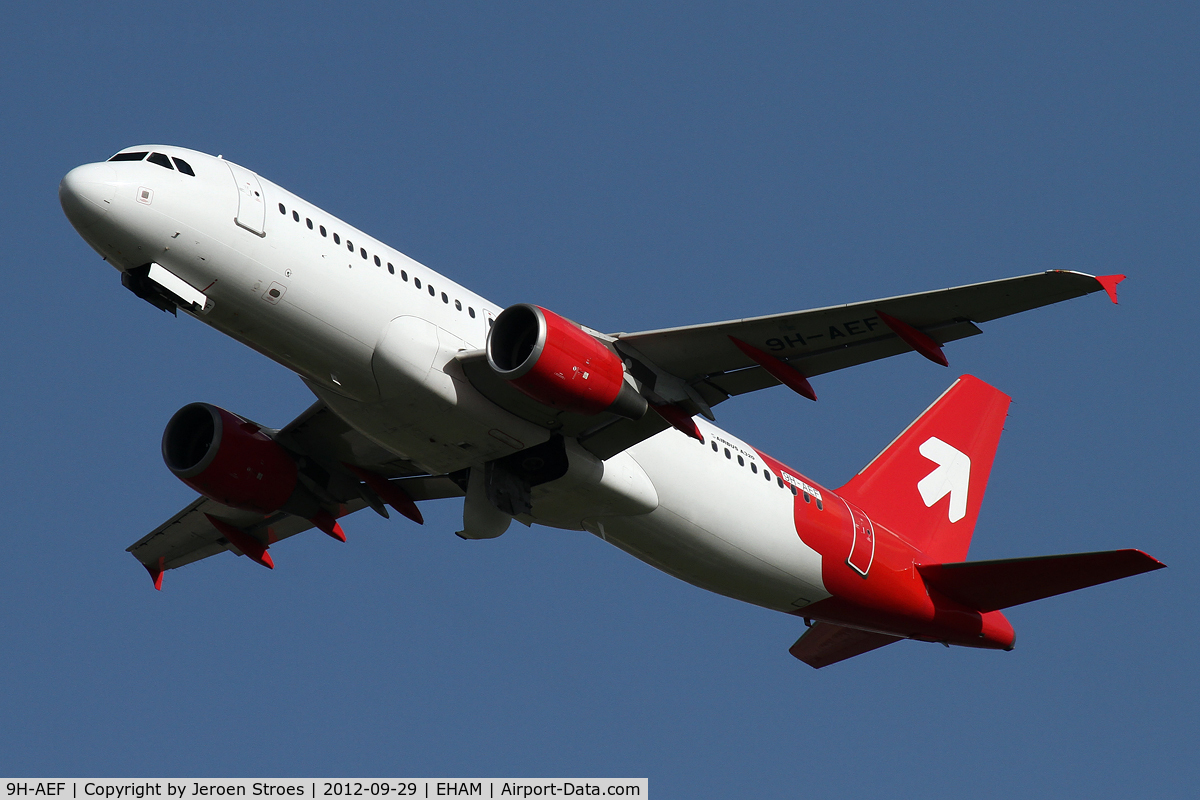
(161, 160)
(183, 166)
(129, 156)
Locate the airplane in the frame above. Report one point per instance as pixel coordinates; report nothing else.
(425, 390)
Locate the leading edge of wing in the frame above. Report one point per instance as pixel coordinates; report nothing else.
(822, 334)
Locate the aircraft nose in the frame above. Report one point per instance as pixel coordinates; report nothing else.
(86, 193)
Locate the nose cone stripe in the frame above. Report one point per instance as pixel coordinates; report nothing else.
(86, 192)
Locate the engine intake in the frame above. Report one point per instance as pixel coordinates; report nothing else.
(230, 460)
(554, 361)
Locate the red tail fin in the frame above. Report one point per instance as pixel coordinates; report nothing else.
(927, 485)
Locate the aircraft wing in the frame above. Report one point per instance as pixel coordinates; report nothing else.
(325, 444)
(822, 340)
(190, 535)
(699, 366)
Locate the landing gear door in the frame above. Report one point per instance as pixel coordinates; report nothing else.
(252, 207)
(862, 550)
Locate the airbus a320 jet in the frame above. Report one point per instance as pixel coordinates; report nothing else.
(426, 390)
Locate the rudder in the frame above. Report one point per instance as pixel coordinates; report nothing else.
(928, 484)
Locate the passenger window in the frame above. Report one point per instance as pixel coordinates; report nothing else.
(378, 263)
(282, 210)
(714, 445)
(391, 269)
(780, 482)
(350, 245)
(295, 215)
(727, 453)
(444, 298)
(754, 467)
(431, 292)
(129, 156)
(767, 475)
(308, 222)
(741, 461)
(322, 230)
(793, 488)
(471, 311)
(363, 252)
(458, 304)
(161, 160)
(416, 282)
(807, 499)
(404, 276)
(337, 239)
(820, 506)
(183, 166)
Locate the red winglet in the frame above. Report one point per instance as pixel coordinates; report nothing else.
(156, 572)
(256, 550)
(392, 494)
(1109, 282)
(325, 521)
(917, 340)
(788, 375)
(680, 420)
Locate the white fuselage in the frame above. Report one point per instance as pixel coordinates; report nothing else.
(374, 334)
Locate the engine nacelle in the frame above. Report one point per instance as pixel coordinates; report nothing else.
(230, 460)
(554, 361)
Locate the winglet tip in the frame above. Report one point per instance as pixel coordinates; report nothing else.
(1109, 284)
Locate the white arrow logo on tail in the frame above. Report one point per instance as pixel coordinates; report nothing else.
(952, 476)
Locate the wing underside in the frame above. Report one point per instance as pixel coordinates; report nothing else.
(699, 366)
(328, 448)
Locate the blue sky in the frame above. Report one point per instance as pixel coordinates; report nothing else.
(633, 166)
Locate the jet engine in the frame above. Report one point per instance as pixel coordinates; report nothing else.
(231, 460)
(554, 361)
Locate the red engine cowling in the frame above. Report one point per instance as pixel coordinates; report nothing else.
(228, 459)
(555, 362)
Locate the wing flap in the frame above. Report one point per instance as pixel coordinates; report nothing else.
(825, 643)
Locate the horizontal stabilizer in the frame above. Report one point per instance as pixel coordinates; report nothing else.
(825, 643)
(993, 585)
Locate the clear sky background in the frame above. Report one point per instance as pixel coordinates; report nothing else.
(633, 166)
